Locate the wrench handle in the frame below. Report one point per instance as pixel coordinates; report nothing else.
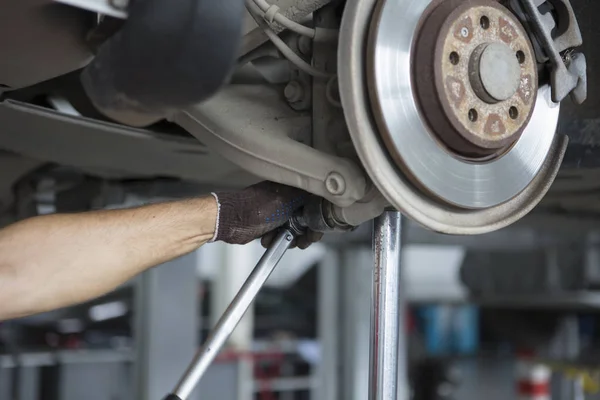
(232, 316)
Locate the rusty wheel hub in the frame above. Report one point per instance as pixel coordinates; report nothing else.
(475, 76)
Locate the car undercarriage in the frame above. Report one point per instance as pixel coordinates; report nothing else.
(464, 115)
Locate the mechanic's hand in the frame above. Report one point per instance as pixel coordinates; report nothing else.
(257, 212)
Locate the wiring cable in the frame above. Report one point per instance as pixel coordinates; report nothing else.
(271, 14)
(282, 46)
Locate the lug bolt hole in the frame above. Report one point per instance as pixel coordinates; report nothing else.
(473, 115)
(484, 22)
(513, 112)
(520, 57)
(454, 58)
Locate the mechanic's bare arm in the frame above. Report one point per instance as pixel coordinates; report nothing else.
(55, 261)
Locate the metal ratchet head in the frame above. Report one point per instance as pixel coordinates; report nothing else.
(296, 226)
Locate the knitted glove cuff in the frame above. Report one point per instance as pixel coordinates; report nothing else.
(232, 226)
(214, 238)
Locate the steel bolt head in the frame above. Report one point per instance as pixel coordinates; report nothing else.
(293, 92)
(305, 45)
(335, 184)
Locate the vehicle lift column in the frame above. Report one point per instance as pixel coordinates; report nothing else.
(387, 369)
(388, 356)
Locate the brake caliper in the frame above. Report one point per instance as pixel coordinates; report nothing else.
(555, 34)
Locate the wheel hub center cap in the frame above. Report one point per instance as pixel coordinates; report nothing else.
(495, 72)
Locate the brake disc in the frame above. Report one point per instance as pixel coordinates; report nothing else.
(443, 105)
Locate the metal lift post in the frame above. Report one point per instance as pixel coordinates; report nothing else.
(387, 372)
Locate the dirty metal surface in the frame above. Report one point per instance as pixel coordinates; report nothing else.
(452, 43)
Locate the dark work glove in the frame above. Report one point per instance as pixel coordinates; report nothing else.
(257, 212)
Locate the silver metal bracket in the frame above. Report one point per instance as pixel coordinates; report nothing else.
(251, 127)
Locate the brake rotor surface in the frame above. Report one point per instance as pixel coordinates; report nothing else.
(453, 88)
(394, 99)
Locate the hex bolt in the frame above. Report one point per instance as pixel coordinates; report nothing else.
(305, 45)
(294, 92)
(335, 184)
